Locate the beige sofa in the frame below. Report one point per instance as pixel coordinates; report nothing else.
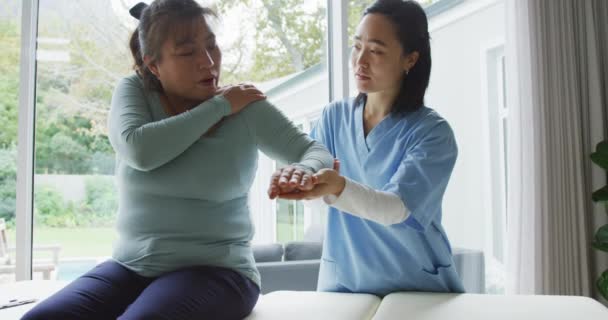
(309, 305)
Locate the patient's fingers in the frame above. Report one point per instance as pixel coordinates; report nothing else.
(273, 188)
(285, 176)
(306, 182)
(296, 177)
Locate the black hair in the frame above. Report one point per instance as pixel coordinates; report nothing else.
(411, 27)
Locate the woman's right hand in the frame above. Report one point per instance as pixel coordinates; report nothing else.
(239, 96)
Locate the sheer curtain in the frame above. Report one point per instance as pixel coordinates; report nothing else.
(557, 94)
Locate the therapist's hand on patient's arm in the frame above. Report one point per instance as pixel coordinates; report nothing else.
(290, 179)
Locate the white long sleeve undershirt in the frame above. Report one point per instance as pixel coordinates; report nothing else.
(360, 200)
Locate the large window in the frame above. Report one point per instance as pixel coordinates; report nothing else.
(281, 47)
(81, 53)
(294, 219)
(10, 42)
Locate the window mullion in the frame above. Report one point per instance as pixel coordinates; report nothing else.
(337, 15)
(25, 142)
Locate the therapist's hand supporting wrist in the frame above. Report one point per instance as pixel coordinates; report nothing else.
(329, 181)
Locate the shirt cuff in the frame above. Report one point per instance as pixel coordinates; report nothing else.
(360, 200)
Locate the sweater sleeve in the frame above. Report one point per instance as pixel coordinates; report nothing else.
(280, 139)
(145, 144)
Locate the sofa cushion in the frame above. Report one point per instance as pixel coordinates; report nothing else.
(303, 250)
(300, 275)
(303, 305)
(267, 252)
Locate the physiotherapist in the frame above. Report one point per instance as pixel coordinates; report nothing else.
(384, 231)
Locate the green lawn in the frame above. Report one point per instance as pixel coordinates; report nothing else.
(74, 242)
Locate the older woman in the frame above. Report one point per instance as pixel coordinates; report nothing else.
(186, 157)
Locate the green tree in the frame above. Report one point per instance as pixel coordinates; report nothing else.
(51, 210)
(289, 37)
(73, 98)
(9, 82)
(101, 202)
(9, 93)
(8, 182)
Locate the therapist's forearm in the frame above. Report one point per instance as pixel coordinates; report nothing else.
(360, 200)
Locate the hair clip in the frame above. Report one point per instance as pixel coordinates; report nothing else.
(137, 10)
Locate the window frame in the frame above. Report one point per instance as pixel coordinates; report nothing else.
(494, 97)
(307, 122)
(25, 140)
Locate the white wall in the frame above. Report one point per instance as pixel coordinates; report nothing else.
(309, 96)
(456, 92)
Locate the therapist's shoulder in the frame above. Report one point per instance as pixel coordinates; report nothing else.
(339, 108)
(432, 123)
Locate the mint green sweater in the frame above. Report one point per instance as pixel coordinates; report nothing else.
(182, 195)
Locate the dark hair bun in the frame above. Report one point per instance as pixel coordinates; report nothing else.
(137, 10)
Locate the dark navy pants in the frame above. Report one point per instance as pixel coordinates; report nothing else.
(111, 291)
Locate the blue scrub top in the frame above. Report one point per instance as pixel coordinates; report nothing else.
(411, 156)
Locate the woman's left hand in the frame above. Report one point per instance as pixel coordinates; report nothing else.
(289, 180)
